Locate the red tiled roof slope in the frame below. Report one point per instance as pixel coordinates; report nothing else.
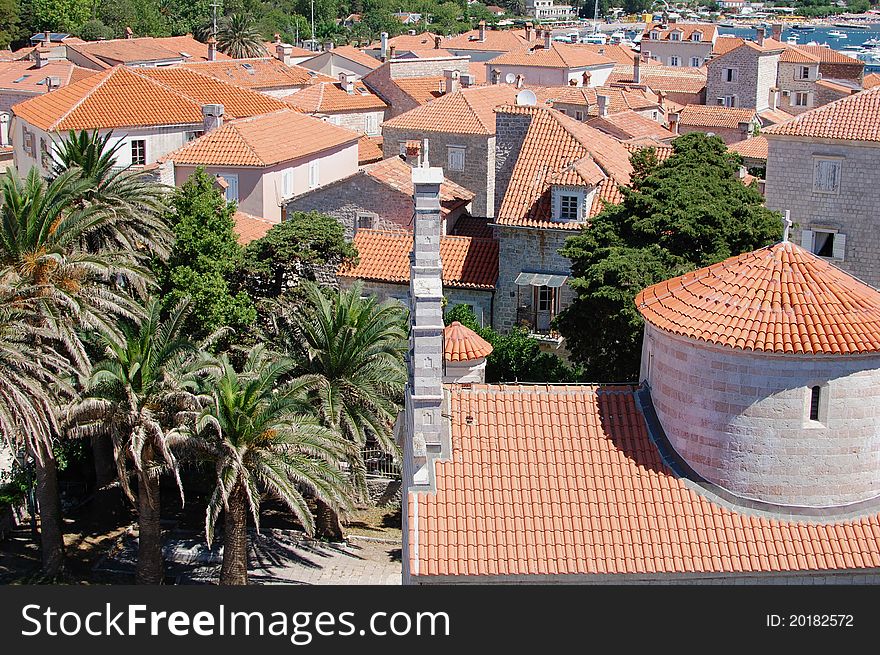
(397, 174)
(261, 73)
(559, 55)
(781, 299)
(250, 228)
(754, 147)
(855, 117)
(461, 344)
(469, 111)
(331, 98)
(714, 116)
(564, 480)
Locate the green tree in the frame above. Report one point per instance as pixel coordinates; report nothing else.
(351, 349)
(95, 30)
(145, 18)
(57, 15)
(261, 435)
(238, 37)
(204, 258)
(137, 395)
(9, 22)
(690, 211)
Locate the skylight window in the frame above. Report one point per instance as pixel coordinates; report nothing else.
(20, 79)
(185, 55)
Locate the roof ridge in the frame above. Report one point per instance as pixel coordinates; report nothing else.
(467, 101)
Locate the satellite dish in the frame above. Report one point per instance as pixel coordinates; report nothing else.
(510, 78)
(526, 98)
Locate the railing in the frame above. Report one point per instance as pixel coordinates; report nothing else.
(380, 463)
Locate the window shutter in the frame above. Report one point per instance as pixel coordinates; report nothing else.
(839, 246)
(807, 240)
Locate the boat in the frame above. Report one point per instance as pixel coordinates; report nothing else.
(597, 38)
(851, 26)
(618, 36)
(872, 42)
(837, 34)
(792, 39)
(803, 28)
(727, 23)
(852, 48)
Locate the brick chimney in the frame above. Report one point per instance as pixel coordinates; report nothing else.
(603, 102)
(528, 31)
(585, 78)
(212, 48)
(425, 433)
(413, 150)
(453, 83)
(277, 38)
(383, 46)
(212, 117)
(672, 122)
(391, 50)
(482, 30)
(284, 53)
(637, 69)
(776, 31)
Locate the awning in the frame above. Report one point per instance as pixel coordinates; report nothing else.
(540, 280)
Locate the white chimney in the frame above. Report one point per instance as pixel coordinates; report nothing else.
(383, 47)
(4, 129)
(452, 81)
(482, 27)
(284, 53)
(496, 76)
(602, 101)
(53, 82)
(212, 49)
(519, 80)
(672, 120)
(347, 81)
(212, 117)
(548, 39)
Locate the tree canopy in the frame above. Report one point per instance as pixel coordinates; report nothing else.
(688, 212)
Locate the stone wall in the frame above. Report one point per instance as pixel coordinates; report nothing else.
(789, 80)
(852, 211)
(741, 419)
(510, 131)
(745, 62)
(853, 72)
(357, 121)
(479, 161)
(662, 51)
(768, 67)
(825, 94)
(728, 134)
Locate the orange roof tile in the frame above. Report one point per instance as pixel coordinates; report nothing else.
(560, 55)
(368, 150)
(871, 80)
(263, 73)
(560, 150)
(752, 148)
(250, 228)
(855, 117)
(384, 256)
(662, 151)
(619, 98)
(687, 29)
(355, 55)
(331, 98)
(263, 141)
(469, 111)
(495, 40)
(619, 54)
(421, 89)
(827, 55)
(397, 174)
(774, 116)
(781, 298)
(461, 344)
(630, 125)
(410, 41)
(714, 116)
(838, 87)
(143, 49)
(671, 79)
(565, 480)
(296, 51)
(724, 44)
(25, 76)
(795, 55)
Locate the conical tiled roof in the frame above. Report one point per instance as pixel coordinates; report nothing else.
(461, 344)
(780, 299)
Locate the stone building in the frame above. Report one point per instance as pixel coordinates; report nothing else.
(552, 173)
(584, 102)
(823, 167)
(551, 63)
(346, 103)
(679, 85)
(459, 129)
(745, 76)
(729, 123)
(679, 44)
(345, 59)
(379, 197)
(810, 76)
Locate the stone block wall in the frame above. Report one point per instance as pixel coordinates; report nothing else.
(852, 211)
(825, 94)
(741, 419)
(357, 120)
(745, 62)
(728, 134)
(788, 79)
(854, 72)
(510, 131)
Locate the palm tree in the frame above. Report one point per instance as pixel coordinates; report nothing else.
(146, 385)
(136, 203)
(262, 436)
(238, 37)
(351, 349)
(68, 290)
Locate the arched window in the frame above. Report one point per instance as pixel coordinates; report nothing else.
(815, 396)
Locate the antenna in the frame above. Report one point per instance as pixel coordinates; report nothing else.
(313, 21)
(214, 6)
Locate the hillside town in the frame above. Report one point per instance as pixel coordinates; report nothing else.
(497, 306)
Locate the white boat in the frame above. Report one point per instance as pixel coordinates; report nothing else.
(792, 40)
(872, 42)
(597, 38)
(837, 34)
(618, 36)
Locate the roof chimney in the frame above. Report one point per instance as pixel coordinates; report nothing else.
(776, 31)
(284, 53)
(212, 49)
(482, 27)
(548, 39)
(47, 39)
(52, 83)
(495, 76)
(414, 152)
(391, 50)
(759, 36)
(672, 121)
(774, 98)
(212, 117)
(40, 55)
(347, 81)
(586, 78)
(661, 98)
(637, 68)
(745, 129)
(128, 33)
(603, 102)
(383, 46)
(277, 39)
(437, 40)
(452, 80)
(528, 31)
(4, 129)
(519, 80)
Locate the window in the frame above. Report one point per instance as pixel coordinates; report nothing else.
(313, 174)
(826, 242)
(801, 99)
(138, 152)
(675, 36)
(673, 61)
(655, 36)
(401, 148)
(366, 221)
(697, 36)
(579, 115)
(727, 101)
(805, 73)
(568, 207)
(826, 175)
(695, 62)
(730, 74)
(287, 183)
(455, 158)
(372, 124)
(192, 136)
(545, 297)
(231, 186)
(28, 141)
(815, 397)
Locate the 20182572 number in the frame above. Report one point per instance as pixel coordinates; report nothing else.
(810, 621)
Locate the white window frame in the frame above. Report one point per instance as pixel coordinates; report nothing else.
(804, 73)
(287, 183)
(314, 174)
(579, 200)
(371, 124)
(675, 35)
(578, 115)
(834, 163)
(455, 158)
(131, 147)
(797, 96)
(362, 217)
(730, 74)
(696, 35)
(838, 243)
(673, 60)
(654, 36)
(695, 62)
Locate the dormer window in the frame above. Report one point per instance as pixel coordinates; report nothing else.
(570, 203)
(569, 207)
(675, 36)
(697, 36)
(655, 36)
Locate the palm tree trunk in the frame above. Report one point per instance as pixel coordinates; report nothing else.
(235, 555)
(150, 565)
(49, 503)
(105, 461)
(327, 524)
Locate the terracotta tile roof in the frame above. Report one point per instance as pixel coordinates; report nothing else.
(855, 117)
(403, 42)
(263, 141)
(384, 256)
(630, 125)
(469, 111)
(559, 149)
(724, 44)
(478, 70)
(663, 151)
(296, 51)
(795, 55)
(774, 116)
(619, 54)
(263, 73)
(331, 98)
(708, 31)
(461, 344)
(429, 53)
(397, 174)
(421, 89)
(143, 49)
(671, 79)
(838, 87)
(752, 148)
(368, 150)
(769, 46)
(560, 55)
(826, 55)
(871, 80)
(250, 228)
(25, 76)
(472, 226)
(619, 98)
(496, 40)
(559, 480)
(715, 116)
(357, 56)
(781, 298)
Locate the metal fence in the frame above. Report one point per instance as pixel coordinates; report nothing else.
(380, 463)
